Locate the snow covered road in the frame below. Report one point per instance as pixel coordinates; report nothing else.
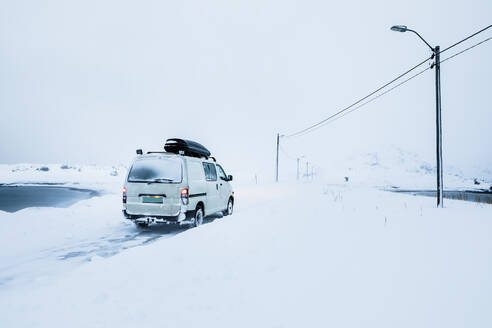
(290, 256)
(56, 240)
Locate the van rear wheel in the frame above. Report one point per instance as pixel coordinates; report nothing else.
(197, 219)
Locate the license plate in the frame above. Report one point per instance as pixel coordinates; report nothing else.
(152, 199)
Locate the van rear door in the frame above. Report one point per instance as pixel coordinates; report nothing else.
(153, 186)
(196, 182)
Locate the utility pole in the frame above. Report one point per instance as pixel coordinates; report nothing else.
(307, 170)
(298, 161)
(276, 165)
(438, 128)
(437, 66)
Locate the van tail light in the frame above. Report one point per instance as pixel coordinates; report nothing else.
(185, 197)
(124, 195)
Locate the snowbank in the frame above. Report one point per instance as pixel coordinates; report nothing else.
(108, 178)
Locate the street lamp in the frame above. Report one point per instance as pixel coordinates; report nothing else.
(403, 28)
(437, 64)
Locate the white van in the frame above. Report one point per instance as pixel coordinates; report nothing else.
(183, 188)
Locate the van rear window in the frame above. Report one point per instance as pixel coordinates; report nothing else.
(156, 169)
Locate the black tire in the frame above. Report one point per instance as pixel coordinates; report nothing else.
(230, 208)
(197, 219)
(141, 224)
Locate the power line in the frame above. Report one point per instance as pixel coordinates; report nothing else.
(468, 37)
(369, 101)
(394, 87)
(358, 101)
(287, 154)
(349, 108)
(465, 50)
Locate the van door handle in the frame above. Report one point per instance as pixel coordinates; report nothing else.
(217, 186)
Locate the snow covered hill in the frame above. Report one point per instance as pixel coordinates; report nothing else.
(394, 167)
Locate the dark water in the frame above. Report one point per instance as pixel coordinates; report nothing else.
(14, 198)
(467, 195)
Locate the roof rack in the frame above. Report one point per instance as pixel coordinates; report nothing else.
(181, 153)
(186, 147)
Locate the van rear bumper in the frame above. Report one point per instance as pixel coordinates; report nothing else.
(181, 218)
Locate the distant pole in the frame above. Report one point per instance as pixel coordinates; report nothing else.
(276, 165)
(438, 128)
(307, 170)
(298, 162)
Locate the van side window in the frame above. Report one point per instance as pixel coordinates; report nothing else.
(210, 171)
(213, 172)
(207, 171)
(222, 174)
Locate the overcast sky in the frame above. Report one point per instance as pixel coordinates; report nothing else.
(91, 81)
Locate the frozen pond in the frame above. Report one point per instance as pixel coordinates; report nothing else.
(468, 195)
(14, 198)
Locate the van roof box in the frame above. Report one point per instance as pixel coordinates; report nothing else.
(190, 148)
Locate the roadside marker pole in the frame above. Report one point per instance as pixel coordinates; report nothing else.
(298, 161)
(276, 165)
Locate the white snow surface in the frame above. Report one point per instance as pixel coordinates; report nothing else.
(314, 254)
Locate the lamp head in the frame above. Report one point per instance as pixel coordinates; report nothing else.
(399, 28)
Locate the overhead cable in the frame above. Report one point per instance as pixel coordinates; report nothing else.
(351, 107)
(358, 101)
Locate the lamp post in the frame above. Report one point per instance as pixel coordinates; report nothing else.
(437, 66)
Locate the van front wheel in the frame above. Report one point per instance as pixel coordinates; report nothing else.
(230, 207)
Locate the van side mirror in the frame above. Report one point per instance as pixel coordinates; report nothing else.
(139, 152)
(229, 178)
